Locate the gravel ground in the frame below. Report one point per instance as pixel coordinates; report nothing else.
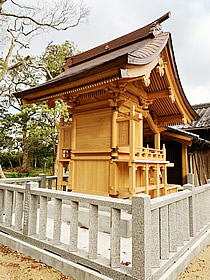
(199, 268)
(16, 266)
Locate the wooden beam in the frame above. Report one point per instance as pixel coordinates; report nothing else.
(179, 138)
(169, 119)
(136, 91)
(151, 123)
(158, 94)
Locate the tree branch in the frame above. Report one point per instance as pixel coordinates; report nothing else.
(22, 7)
(6, 61)
(45, 24)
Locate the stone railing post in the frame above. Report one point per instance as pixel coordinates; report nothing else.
(43, 181)
(192, 210)
(50, 184)
(141, 236)
(190, 178)
(26, 209)
(1, 205)
(8, 208)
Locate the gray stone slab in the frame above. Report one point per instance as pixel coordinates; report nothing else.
(93, 232)
(172, 227)
(164, 236)
(186, 225)
(115, 238)
(155, 239)
(57, 221)
(179, 222)
(141, 236)
(73, 227)
(33, 206)
(8, 208)
(43, 217)
(19, 211)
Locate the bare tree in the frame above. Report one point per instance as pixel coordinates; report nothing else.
(21, 21)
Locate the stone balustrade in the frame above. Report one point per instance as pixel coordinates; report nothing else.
(163, 229)
(43, 181)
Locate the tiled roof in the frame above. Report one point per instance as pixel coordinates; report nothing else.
(194, 137)
(203, 110)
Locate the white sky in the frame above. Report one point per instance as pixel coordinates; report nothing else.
(189, 25)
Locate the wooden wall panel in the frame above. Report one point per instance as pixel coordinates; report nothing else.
(123, 176)
(91, 176)
(93, 131)
(66, 138)
(137, 134)
(123, 136)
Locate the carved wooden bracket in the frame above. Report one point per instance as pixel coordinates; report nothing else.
(146, 79)
(171, 95)
(161, 67)
(184, 120)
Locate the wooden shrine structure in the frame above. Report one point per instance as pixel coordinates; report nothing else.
(120, 95)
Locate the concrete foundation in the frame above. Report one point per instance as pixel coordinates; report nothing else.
(78, 272)
(104, 216)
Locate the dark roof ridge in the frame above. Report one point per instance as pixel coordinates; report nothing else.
(137, 35)
(201, 105)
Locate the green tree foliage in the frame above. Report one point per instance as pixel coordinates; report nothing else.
(32, 128)
(54, 56)
(30, 131)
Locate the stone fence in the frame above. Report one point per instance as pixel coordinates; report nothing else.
(163, 229)
(43, 181)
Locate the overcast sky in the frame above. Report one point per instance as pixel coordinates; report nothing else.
(189, 25)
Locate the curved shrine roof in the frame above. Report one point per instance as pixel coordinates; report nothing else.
(135, 49)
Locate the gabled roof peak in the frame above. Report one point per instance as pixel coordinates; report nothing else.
(148, 31)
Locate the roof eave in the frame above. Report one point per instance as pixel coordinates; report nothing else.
(55, 85)
(193, 113)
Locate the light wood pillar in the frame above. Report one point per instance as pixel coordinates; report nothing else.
(132, 165)
(132, 179)
(132, 134)
(60, 176)
(164, 178)
(73, 134)
(114, 129)
(184, 164)
(157, 140)
(73, 147)
(141, 126)
(113, 178)
(157, 180)
(146, 180)
(114, 154)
